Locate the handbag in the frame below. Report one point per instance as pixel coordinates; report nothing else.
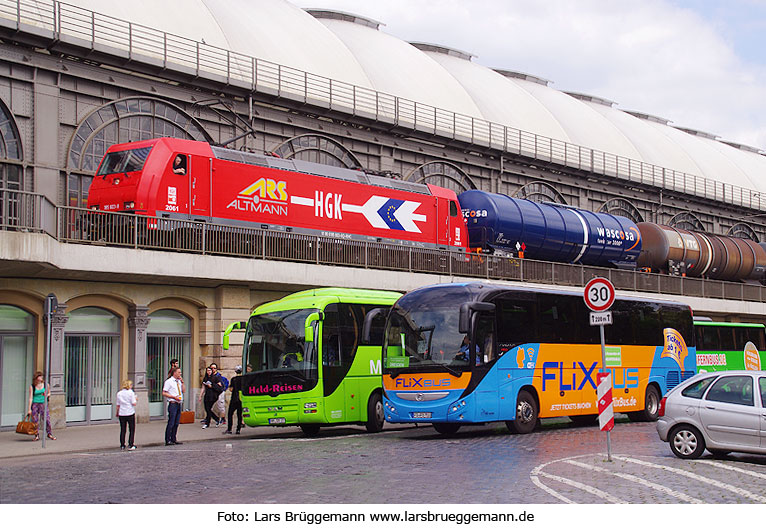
(26, 426)
(187, 417)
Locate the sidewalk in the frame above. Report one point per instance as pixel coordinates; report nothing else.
(107, 437)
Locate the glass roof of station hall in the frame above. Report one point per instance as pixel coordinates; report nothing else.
(355, 50)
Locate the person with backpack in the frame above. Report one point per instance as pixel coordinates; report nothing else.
(221, 401)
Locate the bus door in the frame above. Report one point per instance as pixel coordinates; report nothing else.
(340, 338)
(484, 375)
(201, 176)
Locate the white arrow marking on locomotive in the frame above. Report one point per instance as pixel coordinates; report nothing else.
(406, 216)
(370, 211)
(305, 201)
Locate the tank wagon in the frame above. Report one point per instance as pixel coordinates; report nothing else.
(560, 233)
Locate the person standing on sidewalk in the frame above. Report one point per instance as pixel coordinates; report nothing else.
(235, 404)
(173, 389)
(37, 396)
(126, 412)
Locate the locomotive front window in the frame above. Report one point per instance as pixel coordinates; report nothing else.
(124, 161)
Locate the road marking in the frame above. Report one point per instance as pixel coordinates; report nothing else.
(549, 490)
(582, 486)
(537, 471)
(635, 479)
(735, 469)
(690, 475)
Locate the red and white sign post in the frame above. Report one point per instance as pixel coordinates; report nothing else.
(599, 297)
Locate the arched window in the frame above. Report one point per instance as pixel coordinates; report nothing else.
(444, 174)
(319, 149)
(16, 362)
(11, 170)
(540, 192)
(168, 337)
(91, 364)
(622, 207)
(125, 120)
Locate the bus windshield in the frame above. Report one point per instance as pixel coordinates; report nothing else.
(275, 345)
(124, 161)
(423, 334)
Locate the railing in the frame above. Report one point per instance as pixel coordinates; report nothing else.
(24, 211)
(65, 24)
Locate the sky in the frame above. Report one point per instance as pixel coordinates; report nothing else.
(700, 64)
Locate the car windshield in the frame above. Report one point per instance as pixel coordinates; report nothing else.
(275, 344)
(422, 333)
(124, 161)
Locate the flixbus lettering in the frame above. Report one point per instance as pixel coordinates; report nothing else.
(552, 369)
(420, 383)
(624, 378)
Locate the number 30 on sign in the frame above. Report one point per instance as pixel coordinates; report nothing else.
(599, 294)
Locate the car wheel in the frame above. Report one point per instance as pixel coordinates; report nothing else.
(526, 414)
(446, 428)
(375, 415)
(310, 430)
(686, 442)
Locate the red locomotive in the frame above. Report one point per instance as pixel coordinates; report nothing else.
(189, 180)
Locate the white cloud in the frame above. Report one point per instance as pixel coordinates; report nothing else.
(649, 56)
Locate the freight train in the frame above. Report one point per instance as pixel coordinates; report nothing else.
(190, 180)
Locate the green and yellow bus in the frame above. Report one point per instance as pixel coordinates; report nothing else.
(729, 346)
(306, 363)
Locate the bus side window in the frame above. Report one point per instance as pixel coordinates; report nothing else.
(485, 339)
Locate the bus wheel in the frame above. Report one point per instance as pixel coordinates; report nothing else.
(446, 428)
(375, 415)
(310, 430)
(526, 414)
(650, 413)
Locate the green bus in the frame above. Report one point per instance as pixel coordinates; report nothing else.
(729, 346)
(306, 363)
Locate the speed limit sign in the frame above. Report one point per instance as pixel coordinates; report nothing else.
(599, 294)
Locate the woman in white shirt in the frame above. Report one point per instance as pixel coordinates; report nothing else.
(126, 412)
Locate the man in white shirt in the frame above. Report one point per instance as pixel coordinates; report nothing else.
(173, 390)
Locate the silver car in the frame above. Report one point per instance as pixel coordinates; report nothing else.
(721, 411)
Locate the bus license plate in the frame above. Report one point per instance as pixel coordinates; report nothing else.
(421, 415)
(279, 420)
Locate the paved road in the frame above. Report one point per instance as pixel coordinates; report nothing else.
(482, 464)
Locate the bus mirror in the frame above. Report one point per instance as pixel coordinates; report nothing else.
(308, 332)
(467, 309)
(367, 326)
(237, 325)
